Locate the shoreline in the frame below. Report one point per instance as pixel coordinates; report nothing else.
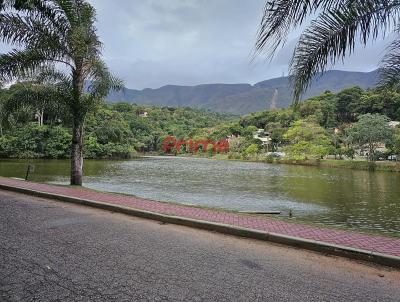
(379, 166)
(362, 165)
(346, 164)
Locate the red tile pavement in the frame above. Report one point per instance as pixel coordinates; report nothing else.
(374, 243)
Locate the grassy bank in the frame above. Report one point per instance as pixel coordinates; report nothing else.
(386, 166)
(346, 164)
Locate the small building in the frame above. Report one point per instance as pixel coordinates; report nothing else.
(263, 136)
(394, 124)
(144, 114)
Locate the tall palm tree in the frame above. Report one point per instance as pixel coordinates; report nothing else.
(57, 40)
(336, 27)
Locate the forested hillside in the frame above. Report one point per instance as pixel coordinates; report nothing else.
(242, 98)
(353, 122)
(39, 127)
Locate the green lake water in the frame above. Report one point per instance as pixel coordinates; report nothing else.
(360, 200)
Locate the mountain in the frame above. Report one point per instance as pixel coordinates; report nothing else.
(242, 98)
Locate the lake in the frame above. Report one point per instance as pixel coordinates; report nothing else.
(360, 200)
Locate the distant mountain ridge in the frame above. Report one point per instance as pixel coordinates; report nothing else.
(242, 98)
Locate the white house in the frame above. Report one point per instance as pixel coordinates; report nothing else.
(263, 136)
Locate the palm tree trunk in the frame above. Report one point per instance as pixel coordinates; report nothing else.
(77, 152)
(77, 130)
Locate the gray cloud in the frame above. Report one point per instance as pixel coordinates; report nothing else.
(154, 42)
(151, 43)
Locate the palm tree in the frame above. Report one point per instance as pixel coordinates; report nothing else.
(41, 98)
(332, 35)
(57, 41)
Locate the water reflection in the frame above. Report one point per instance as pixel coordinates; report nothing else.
(362, 200)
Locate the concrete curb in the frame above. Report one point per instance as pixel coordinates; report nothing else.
(322, 247)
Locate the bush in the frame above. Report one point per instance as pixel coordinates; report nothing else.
(251, 150)
(5, 146)
(29, 141)
(93, 149)
(112, 150)
(58, 144)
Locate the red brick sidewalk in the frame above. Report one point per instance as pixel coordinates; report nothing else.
(373, 243)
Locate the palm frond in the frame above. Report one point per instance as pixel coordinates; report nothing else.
(28, 31)
(280, 16)
(51, 76)
(69, 8)
(20, 63)
(334, 34)
(48, 9)
(7, 4)
(25, 63)
(101, 80)
(389, 73)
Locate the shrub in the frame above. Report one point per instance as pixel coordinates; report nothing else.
(58, 144)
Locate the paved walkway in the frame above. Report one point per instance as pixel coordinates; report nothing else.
(373, 243)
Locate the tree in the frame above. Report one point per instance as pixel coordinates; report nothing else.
(346, 100)
(396, 143)
(323, 107)
(382, 101)
(57, 41)
(331, 36)
(249, 131)
(40, 98)
(371, 131)
(307, 139)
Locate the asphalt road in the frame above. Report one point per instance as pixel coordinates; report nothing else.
(52, 251)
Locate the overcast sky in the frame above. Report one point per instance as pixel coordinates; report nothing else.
(151, 43)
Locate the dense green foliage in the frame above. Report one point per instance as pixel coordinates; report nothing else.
(111, 131)
(321, 126)
(56, 48)
(351, 123)
(370, 132)
(307, 139)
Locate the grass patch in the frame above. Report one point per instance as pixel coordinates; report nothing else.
(346, 164)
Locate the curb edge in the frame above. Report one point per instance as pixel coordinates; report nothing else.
(317, 246)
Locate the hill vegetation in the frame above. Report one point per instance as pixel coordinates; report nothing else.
(111, 131)
(242, 98)
(349, 124)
